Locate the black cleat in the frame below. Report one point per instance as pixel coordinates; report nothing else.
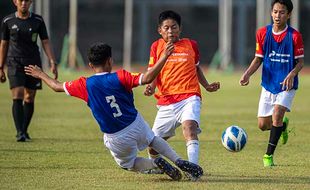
(27, 137)
(20, 138)
(191, 170)
(168, 169)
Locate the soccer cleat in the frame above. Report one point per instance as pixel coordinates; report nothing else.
(284, 134)
(27, 137)
(268, 160)
(20, 138)
(191, 170)
(153, 171)
(168, 169)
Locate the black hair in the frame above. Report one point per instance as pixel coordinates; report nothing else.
(169, 15)
(287, 3)
(99, 53)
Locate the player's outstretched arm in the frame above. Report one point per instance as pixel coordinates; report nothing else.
(151, 74)
(245, 78)
(37, 72)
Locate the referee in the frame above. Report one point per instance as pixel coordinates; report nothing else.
(19, 33)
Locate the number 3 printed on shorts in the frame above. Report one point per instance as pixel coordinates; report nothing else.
(111, 100)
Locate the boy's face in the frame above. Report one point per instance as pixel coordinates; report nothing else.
(169, 30)
(23, 5)
(280, 15)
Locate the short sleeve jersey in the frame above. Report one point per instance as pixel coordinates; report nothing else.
(178, 79)
(22, 35)
(109, 96)
(278, 37)
(279, 52)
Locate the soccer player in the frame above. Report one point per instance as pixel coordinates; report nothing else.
(280, 48)
(19, 33)
(110, 98)
(179, 94)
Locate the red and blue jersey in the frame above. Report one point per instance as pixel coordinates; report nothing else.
(109, 96)
(280, 53)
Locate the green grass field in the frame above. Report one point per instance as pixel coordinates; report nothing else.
(67, 151)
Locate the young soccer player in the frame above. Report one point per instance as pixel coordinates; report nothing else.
(280, 48)
(110, 98)
(19, 34)
(178, 95)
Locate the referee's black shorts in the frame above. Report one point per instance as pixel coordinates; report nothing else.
(17, 76)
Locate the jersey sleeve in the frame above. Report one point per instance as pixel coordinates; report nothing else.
(298, 45)
(260, 37)
(129, 80)
(42, 30)
(153, 55)
(77, 88)
(5, 32)
(196, 50)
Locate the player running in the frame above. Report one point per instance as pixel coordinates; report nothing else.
(280, 48)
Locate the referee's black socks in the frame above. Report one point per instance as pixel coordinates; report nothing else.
(18, 115)
(28, 112)
(274, 137)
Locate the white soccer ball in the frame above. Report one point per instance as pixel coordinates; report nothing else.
(234, 138)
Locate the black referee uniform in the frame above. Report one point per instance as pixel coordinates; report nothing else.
(23, 50)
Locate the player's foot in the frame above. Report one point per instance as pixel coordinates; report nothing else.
(268, 160)
(27, 137)
(168, 169)
(153, 171)
(284, 134)
(20, 137)
(191, 170)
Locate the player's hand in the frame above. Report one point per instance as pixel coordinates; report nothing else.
(33, 70)
(244, 80)
(2, 76)
(54, 70)
(213, 87)
(149, 90)
(169, 48)
(288, 82)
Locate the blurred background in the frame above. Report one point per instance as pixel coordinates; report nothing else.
(224, 29)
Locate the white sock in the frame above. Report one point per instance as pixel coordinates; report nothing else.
(193, 151)
(163, 148)
(142, 164)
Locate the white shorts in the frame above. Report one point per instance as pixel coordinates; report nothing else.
(124, 144)
(268, 100)
(169, 117)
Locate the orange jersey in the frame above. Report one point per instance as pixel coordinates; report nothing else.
(178, 79)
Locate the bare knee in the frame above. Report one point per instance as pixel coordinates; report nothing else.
(265, 123)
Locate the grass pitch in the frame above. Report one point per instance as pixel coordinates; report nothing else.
(67, 151)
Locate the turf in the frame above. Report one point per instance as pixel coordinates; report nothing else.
(67, 151)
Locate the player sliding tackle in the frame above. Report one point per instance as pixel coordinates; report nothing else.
(110, 98)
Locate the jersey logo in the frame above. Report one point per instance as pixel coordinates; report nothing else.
(34, 37)
(134, 74)
(14, 27)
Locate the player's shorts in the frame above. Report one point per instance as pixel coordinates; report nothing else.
(169, 117)
(124, 144)
(268, 100)
(17, 76)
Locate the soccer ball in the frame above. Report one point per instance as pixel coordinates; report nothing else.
(234, 138)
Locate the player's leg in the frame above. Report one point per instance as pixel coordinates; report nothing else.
(192, 143)
(18, 112)
(29, 97)
(188, 113)
(164, 126)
